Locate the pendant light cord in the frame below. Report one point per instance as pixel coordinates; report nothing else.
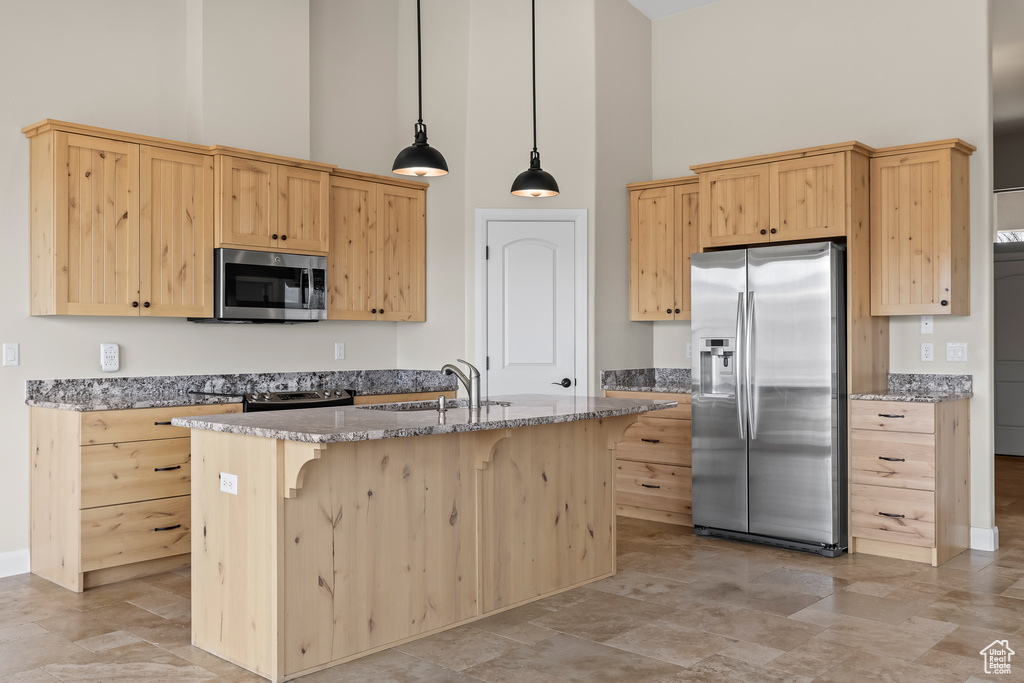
(533, 40)
(419, 64)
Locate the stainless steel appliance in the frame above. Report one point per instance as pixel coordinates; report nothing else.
(288, 400)
(262, 286)
(769, 395)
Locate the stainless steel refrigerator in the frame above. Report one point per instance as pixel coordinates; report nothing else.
(769, 395)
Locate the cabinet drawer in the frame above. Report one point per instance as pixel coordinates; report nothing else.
(654, 439)
(893, 416)
(135, 470)
(909, 516)
(656, 487)
(899, 459)
(122, 534)
(142, 424)
(680, 412)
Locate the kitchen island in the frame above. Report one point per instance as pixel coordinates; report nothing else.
(350, 530)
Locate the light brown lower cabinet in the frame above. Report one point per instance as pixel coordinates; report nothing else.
(909, 479)
(110, 493)
(653, 476)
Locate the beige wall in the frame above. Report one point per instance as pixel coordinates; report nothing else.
(742, 77)
(135, 80)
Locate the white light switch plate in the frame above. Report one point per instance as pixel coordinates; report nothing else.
(110, 357)
(956, 352)
(11, 354)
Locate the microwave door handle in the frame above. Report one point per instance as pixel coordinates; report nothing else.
(307, 292)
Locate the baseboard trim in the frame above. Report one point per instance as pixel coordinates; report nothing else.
(983, 538)
(14, 562)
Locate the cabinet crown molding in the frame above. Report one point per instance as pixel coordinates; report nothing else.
(852, 146)
(953, 143)
(647, 185)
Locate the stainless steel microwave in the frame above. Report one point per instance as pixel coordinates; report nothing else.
(262, 286)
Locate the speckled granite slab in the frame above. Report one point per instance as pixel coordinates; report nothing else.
(668, 380)
(117, 393)
(365, 423)
(915, 388)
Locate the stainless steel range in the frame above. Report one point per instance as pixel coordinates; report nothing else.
(289, 400)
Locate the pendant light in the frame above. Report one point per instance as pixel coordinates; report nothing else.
(534, 181)
(419, 158)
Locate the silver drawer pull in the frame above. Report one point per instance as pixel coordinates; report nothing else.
(166, 469)
(166, 528)
(892, 459)
(650, 486)
(651, 440)
(892, 417)
(889, 514)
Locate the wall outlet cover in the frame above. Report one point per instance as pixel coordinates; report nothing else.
(927, 352)
(927, 324)
(229, 483)
(339, 351)
(689, 349)
(110, 357)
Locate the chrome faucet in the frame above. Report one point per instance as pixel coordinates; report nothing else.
(472, 383)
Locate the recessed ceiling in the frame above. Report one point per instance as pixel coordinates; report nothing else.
(656, 9)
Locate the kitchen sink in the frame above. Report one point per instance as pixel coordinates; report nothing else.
(413, 406)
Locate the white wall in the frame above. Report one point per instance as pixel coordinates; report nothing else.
(740, 77)
(121, 64)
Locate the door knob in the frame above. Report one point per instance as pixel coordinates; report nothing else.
(566, 382)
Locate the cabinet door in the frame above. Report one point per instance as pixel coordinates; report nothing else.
(176, 220)
(652, 254)
(351, 262)
(687, 236)
(401, 253)
(911, 252)
(302, 210)
(97, 218)
(247, 203)
(808, 198)
(734, 206)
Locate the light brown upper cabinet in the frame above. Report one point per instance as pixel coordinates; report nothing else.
(118, 227)
(267, 205)
(377, 260)
(798, 195)
(662, 234)
(920, 229)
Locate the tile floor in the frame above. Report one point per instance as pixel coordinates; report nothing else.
(680, 609)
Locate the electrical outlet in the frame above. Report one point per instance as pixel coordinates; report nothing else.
(110, 357)
(956, 352)
(927, 352)
(229, 483)
(927, 324)
(339, 351)
(11, 354)
(689, 349)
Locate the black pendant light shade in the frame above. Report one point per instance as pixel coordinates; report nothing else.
(534, 181)
(419, 158)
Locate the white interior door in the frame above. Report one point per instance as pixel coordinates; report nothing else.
(533, 308)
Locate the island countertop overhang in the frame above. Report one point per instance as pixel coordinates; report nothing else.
(355, 423)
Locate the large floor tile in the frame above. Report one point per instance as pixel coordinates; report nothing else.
(459, 648)
(878, 638)
(603, 616)
(389, 666)
(978, 610)
(886, 610)
(138, 661)
(670, 643)
(864, 666)
(764, 629)
(722, 669)
(35, 652)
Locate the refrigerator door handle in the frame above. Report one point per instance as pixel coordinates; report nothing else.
(748, 367)
(741, 364)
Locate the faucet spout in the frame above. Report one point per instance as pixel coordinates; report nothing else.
(472, 382)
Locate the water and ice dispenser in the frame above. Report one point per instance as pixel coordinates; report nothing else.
(718, 366)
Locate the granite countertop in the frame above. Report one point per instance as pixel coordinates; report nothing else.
(120, 393)
(923, 388)
(364, 423)
(661, 380)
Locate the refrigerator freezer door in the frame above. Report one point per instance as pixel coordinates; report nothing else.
(794, 449)
(718, 284)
